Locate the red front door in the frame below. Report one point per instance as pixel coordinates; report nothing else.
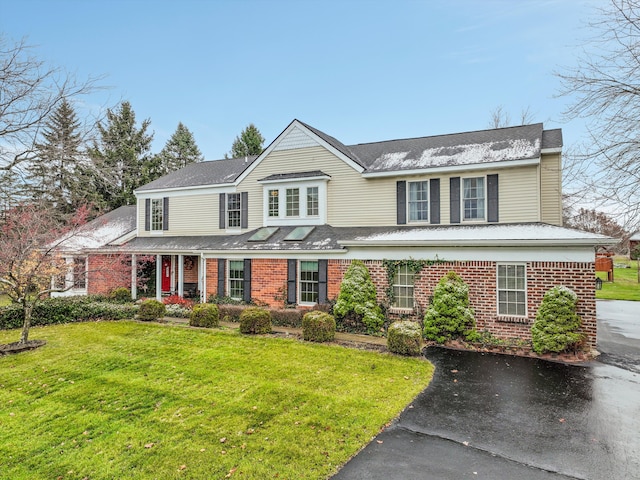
(166, 274)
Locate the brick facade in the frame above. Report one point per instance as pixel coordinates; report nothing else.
(108, 272)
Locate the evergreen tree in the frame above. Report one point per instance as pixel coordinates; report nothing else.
(249, 142)
(121, 157)
(179, 151)
(11, 190)
(51, 176)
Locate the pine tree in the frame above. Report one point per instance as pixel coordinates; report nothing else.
(179, 151)
(249, 142)
(121, 157)
(51, 176)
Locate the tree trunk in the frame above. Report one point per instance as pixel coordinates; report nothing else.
(24, 337)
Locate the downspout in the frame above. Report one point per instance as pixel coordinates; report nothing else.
(203, 278)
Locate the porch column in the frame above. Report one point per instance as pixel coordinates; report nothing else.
(134, 277)
(159, 277)
(181, 275)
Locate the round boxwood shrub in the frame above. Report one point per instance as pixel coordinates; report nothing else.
(405, 338)
(120, 295)
(318, 326)
(151, 310)
(204, 315)
(449, 316)
(255, 320)
(557, 323)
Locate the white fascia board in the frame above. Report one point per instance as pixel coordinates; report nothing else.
(582, 242)
(296, 124)
(124, 238)
(551, 150)
(288, 181)
(455, 168)
(184, 191)
(278, 254)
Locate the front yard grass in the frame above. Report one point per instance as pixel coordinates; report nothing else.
(625, 285)
(132, 400)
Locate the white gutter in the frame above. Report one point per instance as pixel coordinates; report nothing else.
(455, 168)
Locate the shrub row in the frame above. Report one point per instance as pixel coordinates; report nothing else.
(66, 310)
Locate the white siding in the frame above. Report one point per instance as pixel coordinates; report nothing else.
(518, 195)
(551, 189)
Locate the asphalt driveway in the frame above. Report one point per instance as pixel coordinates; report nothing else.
(488, 416)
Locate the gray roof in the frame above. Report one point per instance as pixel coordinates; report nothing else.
(458, 149)
(202, 173)
(103, 230)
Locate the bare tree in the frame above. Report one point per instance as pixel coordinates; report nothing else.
(606, 88)
(29, 91)
(500, 118)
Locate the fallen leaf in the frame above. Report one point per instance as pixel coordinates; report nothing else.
(379, 441)
(466, 444)
(562, 420)
(228, 475)
(182, 467)
(454, 371)
(149, 445)
(223, 439)
(203, 449)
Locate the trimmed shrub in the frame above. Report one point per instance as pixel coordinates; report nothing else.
(151, 310)
(449, 316)
(405, 338)
(255, 320)
(120, 295)
(230, 313)
(287, 317)
(204, 315)
(357, 298)
(557, 323)
(318, 327)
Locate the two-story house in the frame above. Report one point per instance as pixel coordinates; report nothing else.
(285, 225)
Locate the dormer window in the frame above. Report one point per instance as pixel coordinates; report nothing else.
(295, 199)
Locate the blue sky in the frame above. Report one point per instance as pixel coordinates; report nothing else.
(360, 71)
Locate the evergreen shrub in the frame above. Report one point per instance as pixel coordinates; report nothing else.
(120, 295)
(404, 337)
(357, 298)
(151, 310)
(255, 320)
(318, 326)
(204, 315)
(449, 315)
(556, 326)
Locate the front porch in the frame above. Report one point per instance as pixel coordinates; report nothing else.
(179, 274)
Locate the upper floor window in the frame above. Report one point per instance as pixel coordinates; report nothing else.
(312, 202)
(418, 201)
(233, 210)
(512, 290)
(473, 198)
(156, 214)
(274, 203)
(403, 288)
(293, 202)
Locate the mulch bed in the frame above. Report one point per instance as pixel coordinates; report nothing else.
(17, 347)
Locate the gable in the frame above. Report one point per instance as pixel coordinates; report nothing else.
(295, 138)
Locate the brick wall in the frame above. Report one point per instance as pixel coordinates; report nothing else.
(269, 280)
(108, 272)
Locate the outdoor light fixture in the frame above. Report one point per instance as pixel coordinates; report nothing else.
(598, 283)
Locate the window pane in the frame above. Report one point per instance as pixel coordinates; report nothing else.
(293, 202)
(312, 201)
(418, 201)
(236, 279)
(156, 214)
(512, 295)
(473, 198)
(80, 272)
(233, 210)
(274, 204)
(309, 281)
(403, 288)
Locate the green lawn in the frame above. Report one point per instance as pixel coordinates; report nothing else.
(130, 400)
(625, 285)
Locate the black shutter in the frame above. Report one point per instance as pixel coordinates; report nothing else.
(221, 264)
(246, 281)
(454, 199)
(401, 202)
(322, 281)
(492, 197)
(165, 213)
(147, 214)
(434, 200)
(221, 211)
(291, 280)
(244, 210)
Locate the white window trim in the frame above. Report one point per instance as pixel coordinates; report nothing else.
(395, 309)
(299, 283)
(227, 211)
(526, 291)
(302, 218)
(408, 195)
(228, 285)
(153, 200)
(473, 220)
